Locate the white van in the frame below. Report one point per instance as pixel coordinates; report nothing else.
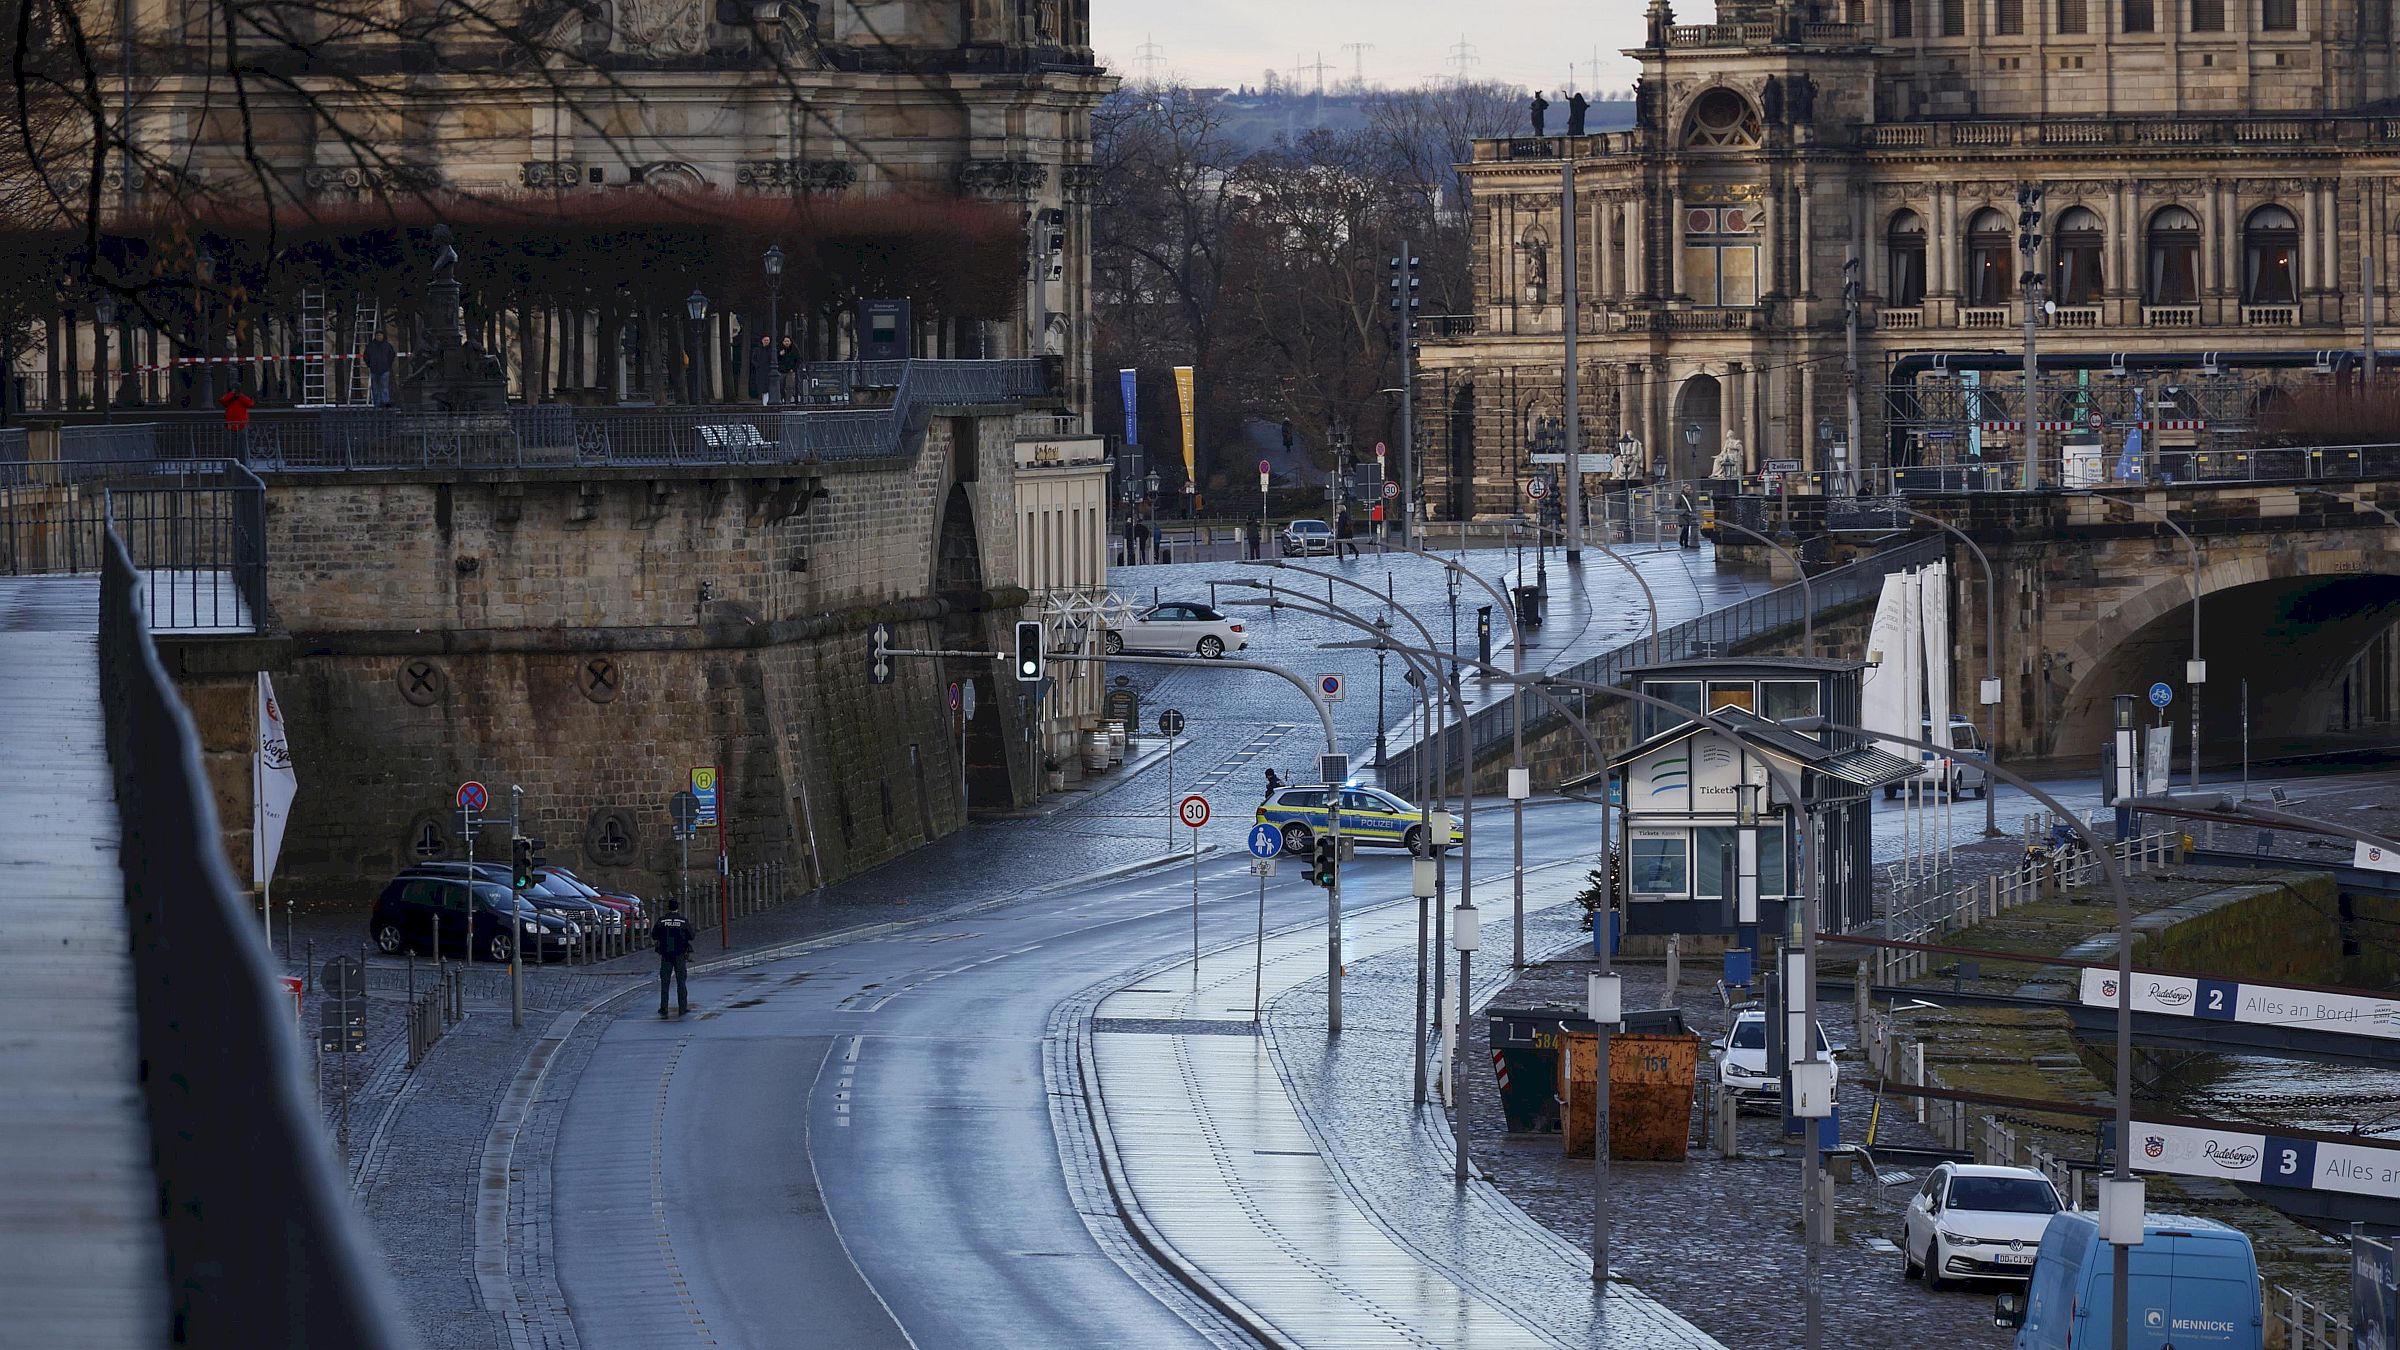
(1966, 780)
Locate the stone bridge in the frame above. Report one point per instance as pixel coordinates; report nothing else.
(2095, 599)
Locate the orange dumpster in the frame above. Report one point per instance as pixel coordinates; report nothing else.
(1649, 1093)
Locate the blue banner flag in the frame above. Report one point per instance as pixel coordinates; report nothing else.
(1127, 383)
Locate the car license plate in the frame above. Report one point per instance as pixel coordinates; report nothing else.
(2013, 1258)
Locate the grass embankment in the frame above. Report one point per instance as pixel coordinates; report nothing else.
(2282, 926)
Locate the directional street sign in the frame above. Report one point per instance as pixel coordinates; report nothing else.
(1193, 811)
(1265, 841)
(1783, 466)
(704, 795)
(1170, 723)
(466, 824)
(472, 797)
(1332, 688)
(2161, 695)
(684, 809)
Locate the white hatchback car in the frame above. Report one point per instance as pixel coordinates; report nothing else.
(1176, 626)
(1972, 1222)
(1741, 1059)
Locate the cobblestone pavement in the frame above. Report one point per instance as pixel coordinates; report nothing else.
(1718, 1241)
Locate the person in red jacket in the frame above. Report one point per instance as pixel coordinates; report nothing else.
(237, 407)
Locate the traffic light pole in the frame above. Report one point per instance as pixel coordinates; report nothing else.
(1333, 897)
(516, 924)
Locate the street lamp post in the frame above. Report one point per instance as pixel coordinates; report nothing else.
(1466, 933)
(774, 264)
(1691, 443)
(104, 312)
(207, 262)
(695, 308)
(2195, 670)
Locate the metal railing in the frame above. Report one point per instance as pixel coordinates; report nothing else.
(847, 410)
(1929, 918)
(263, 1244)
(196, 530)
(749, 891)
(1716, 632)
(2296, 1322)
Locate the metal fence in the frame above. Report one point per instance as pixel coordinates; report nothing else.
(196, 531)
(1715, 633)
(263, 1244)
(849, 410)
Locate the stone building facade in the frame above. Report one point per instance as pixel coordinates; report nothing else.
(2217, 178)
(985, 99)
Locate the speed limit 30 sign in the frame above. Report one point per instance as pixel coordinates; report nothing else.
(1193, 811)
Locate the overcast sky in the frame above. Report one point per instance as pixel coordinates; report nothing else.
(1233, 42)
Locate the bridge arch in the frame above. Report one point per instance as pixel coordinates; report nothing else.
(2289, 620)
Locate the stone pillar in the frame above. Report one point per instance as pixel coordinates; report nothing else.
(1675, 247)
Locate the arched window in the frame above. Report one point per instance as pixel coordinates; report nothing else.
(1991, 271)
(1904, 260)
(2270, 241)
(1720, 255)
(1721, 120)
(2075, 253)
(2171, 271)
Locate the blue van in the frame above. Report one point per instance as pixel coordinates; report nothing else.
(2193, 1286)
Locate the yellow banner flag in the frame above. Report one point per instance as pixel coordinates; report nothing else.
(1183, 393)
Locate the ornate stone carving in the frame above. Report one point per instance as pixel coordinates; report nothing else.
(658, 28)
(369, 179)
(671, 176)
(1079, 181)
(997, 176)
(551, 173)
(796, 175)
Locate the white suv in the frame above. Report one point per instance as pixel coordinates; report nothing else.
(1971, 1222)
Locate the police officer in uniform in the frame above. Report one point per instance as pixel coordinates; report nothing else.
(672, 935)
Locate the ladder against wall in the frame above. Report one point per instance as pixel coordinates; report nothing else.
(366, 320)
(313, 382)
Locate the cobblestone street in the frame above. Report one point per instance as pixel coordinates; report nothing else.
(1718, 1241)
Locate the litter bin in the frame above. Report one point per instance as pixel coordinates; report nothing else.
(1650, 1080)
(1525, 1059)
(1529, 605)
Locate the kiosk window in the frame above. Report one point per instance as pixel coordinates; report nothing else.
(1658, 867)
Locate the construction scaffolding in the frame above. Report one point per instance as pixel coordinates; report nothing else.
(1953, 418)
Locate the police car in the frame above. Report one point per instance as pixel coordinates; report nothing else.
(1368, 816)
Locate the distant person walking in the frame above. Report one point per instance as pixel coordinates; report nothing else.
(1132, 554)
(672, 935)
(762, 369)
(1250, 541)
(1141, 537)
(380, 358)
(1344, 532)
(787, 371)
